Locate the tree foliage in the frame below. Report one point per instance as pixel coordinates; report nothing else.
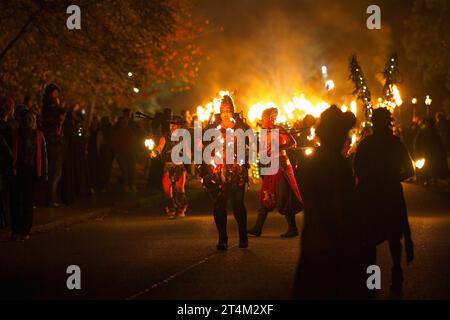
(153, 39)
(427, 40)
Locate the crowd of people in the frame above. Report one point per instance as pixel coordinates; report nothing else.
(51, 155)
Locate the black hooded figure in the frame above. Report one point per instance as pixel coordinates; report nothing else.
(381, 163)
(326, 268)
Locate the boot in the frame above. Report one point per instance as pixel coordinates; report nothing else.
(257, 229)
(222, 245)
(292, 227)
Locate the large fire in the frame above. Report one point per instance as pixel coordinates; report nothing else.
(297, 108)
(293, 110)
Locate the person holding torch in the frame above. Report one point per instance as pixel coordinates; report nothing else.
(174, 174)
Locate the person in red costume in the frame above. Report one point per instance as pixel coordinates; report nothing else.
(279, 191)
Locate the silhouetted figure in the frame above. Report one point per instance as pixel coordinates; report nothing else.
(124, 146)
(75, 170)
(106, 153)
(327, 269)
(411, 134)
(443, 126)
(7, 125)
(429, 146)
(93, 156)
(6, 162)
(381, 163)
(30, 164)
(278, 191)
(156, 164)
(53, 116)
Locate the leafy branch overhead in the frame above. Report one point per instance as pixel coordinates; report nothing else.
(153, 39)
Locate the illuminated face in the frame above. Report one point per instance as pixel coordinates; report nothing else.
(227, 119)
(269, 122)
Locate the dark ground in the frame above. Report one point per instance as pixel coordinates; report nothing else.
(137, 253)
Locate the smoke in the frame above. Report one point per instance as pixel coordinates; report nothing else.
(270, 50)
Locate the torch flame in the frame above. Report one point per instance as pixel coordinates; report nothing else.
(397, 98)
(149, 144)
(420, 163)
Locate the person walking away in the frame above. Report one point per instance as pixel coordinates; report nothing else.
(381, 163)
(328, 235)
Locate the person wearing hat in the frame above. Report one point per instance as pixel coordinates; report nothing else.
(226, 182)
(174, 174)
(280, 190)
(381, 163)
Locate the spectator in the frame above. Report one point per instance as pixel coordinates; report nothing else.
(106, 153)
(53, 118)
(75, 164)
(93, 156)
(125, 145)
(30, 163)
(429, 146)
(443, 126)
(6, 161)
(7, 125)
